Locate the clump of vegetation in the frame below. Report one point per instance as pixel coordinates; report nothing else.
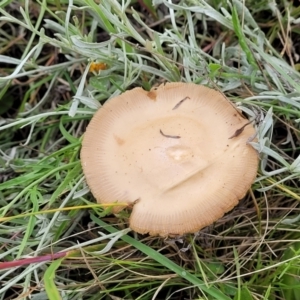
(60, 60)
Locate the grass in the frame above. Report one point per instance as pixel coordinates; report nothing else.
(65, 246)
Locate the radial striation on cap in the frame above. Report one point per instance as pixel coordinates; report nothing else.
(175, 154)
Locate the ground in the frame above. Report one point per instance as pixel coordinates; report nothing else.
(60, 60)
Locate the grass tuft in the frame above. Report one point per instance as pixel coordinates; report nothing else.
(60, 60)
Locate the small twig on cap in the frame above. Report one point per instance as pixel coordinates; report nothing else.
(169, 136)
(257, 120)
(240, 130)
(180, 102)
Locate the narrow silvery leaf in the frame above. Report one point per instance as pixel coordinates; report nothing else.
(89, 102)
(79, 92)
(295, 166)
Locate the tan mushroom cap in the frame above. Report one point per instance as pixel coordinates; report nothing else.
(168, 152)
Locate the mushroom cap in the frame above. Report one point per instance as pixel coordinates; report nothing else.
(169, 153)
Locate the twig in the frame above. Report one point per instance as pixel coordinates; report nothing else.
(180, 102)
(169, 136)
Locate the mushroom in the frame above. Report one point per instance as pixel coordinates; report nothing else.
(177, 154)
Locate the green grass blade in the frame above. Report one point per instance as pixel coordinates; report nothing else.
(242, 40)
(49, 277)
